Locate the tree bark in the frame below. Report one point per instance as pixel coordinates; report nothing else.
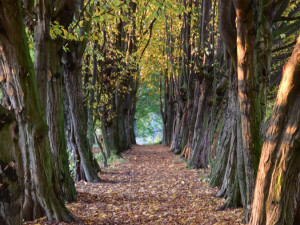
(55, 121)
(72, 74)
(200, 129)
(250, 111)
(11, 179)
(78, 121)
(228, 165)
(19, 83)
(48, 65)
(90, 112)
(167, 110)
(277, 186)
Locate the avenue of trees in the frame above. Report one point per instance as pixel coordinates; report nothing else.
(224, 75)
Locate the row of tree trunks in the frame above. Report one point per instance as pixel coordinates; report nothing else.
(198, 144)
(117, 114)
(182, 85)
(235, 167)
(175, 141)
(118, 120)
(234, 144)
(200, 136)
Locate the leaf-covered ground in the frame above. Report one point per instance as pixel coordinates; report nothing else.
(151, 186)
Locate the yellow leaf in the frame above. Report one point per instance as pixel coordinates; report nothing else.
(95, 38)
(81, 23)
(71, 37)
(65, 31)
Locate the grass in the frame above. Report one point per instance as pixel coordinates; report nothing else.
(113, 159)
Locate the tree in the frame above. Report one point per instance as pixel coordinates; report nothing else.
(238, 146)
(116, 79)
(250, 125)
(199, 138)
(276, 197)
(209, 64)
(19, 87)
(77, 124)
(123, 45)
(49, 79)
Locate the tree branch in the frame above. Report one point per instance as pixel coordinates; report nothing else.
(285, 18)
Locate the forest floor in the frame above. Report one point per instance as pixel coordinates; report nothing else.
(150, 186)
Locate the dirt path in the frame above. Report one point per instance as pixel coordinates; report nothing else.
(151, 186)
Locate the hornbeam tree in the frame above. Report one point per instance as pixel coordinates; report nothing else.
(19, 86)
(49, 78)
(124, 41)
(276, 196)
(246, 86)
(77, 124)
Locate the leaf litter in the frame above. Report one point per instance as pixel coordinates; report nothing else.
(151, 186)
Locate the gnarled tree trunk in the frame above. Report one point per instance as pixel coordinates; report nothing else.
(78, 120)
(276, 195)
(19, 84)
(78, 124)
(48, 69)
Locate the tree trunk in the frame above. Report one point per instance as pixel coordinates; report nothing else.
(41, 48)
(176, 139)
(110, 133)
(55, 121)
(11, 179)
(182, 130)
(250, 111)
(49, 78)
(78, 172)
(228, 163)
(168, 112)
(198, 147)
(277, 186)
(90, 113)
(188, 147)
(78, 121)
(72, 75)
(132, 109)
(19, 83)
